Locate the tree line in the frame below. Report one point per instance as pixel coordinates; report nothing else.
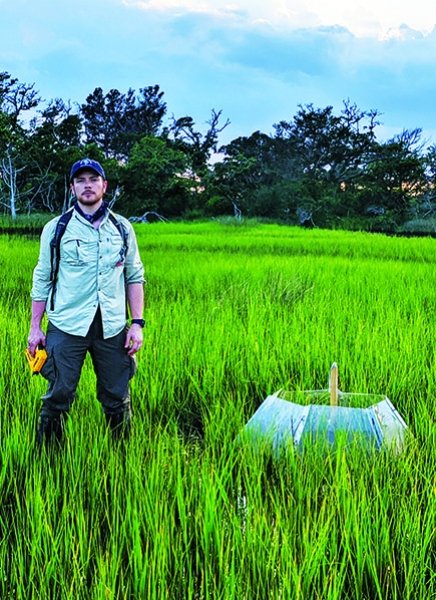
(319, 168)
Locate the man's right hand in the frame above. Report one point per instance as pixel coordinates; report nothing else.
(36, 338)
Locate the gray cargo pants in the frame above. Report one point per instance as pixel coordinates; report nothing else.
(113, 368)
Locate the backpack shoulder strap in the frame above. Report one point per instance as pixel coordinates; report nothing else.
(55, 249)
(122, 231)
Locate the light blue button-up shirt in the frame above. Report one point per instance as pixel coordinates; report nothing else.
(91, 274)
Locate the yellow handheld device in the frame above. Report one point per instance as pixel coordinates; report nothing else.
(36, 362)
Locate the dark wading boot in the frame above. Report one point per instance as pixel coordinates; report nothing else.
(50, 429)
(119, 424)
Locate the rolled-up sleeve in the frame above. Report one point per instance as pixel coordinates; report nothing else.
(41, 284)
(134, 267)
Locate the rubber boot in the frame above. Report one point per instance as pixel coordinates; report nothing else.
(119, 424)
(50, 429)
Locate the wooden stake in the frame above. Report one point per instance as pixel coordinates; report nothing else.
(334, 385)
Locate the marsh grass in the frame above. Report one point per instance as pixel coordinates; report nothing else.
(187, 509)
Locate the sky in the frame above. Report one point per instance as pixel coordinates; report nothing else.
(256, 61)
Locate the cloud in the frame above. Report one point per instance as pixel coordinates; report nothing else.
(256, 61)
(175, 8)
(369, 18)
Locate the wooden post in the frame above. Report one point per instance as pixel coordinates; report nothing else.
(334, 385)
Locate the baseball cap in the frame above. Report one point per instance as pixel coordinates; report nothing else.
(86, 163)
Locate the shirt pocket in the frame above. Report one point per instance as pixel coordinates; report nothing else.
(115, 251)
(75, 251)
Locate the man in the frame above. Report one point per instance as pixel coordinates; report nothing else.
(98, 276)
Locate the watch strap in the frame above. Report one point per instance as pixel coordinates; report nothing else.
(140, 322)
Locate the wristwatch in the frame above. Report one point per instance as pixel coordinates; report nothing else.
(140, 322)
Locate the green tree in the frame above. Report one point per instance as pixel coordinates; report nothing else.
(395, 179)
(53, 143)
(197, 146)
(116, 121)
(427, 207)
(154, 179)
(333, 152)
(16, 100)
(251, 167)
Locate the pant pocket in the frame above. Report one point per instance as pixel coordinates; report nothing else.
(133, 366)
(48, 370)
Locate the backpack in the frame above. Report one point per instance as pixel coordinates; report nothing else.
(55, 245)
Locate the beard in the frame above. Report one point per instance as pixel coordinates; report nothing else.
(89, 199)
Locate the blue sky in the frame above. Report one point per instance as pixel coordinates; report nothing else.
(255, 61)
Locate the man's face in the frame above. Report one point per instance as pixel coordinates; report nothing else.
(88, 187)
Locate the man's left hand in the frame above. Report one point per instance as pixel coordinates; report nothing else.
(134, 339)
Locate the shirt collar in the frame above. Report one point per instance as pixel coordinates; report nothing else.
(95, 216)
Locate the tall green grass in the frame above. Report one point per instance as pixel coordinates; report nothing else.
(183, 510)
